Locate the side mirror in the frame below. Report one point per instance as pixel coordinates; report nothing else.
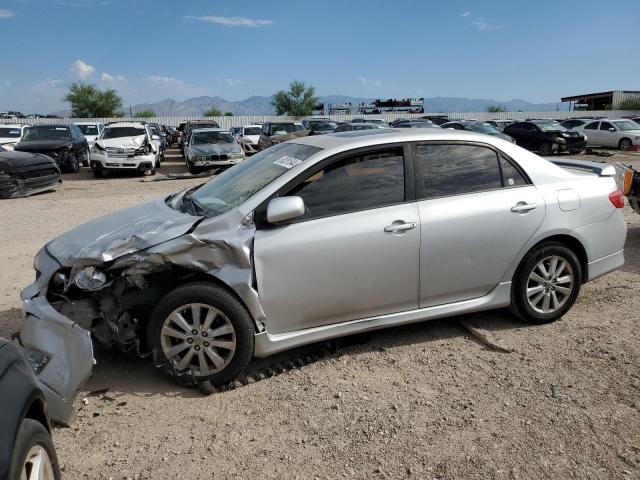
(284, 208)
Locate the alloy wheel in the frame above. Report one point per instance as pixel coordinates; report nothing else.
(199, 338)
(37, 465)
(550, 284)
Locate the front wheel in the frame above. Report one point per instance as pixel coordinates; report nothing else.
(34, 456)
(546, 284)
(72, 165)
(546, 148)
(625, 144)
(201, 332)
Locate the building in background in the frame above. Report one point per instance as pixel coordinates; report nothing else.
(602, 100)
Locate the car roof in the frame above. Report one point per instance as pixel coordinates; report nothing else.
(127, 124)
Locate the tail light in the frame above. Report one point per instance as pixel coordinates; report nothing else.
(627, 181)
(617, 198)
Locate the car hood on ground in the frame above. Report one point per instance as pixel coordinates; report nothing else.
(120, 233)
(122, 142)
(12, 160)
(215, 148)
(42, 145)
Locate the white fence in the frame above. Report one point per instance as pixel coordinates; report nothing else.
(228, 122)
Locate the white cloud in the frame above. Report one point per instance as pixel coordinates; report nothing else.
(4, 13)
(482, 25)
(365, 81)
(105, 77)
(466, 14)
(362, 79)
(231, 21)
(47, 84)
(160, 80)
(82, 70)
(233, 82)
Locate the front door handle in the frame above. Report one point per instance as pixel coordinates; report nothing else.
(522, 207)
(399, 227)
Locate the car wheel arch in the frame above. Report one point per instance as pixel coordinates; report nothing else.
(569, 241)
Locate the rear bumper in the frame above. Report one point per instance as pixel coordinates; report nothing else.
(606, 265)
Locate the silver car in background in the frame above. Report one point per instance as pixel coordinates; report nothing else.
(209, 148)
(317, 238)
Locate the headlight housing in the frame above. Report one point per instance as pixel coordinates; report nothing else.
(201, 158)
(97, 150)
(237, 155)
(90, 278)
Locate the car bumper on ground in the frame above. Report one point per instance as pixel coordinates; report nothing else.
(59, 350)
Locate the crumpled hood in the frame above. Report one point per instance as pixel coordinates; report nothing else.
(122, 142)
(215, 148)
(12, 160)
(120, 233)
(42, 145)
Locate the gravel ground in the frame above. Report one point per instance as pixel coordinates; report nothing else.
(424, 401)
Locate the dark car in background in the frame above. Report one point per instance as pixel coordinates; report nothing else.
(377, 121)
(64, 143)
(501, 124)
(23, 173)
(26, 447)
(546, 137)
(185, 134)
(319, 126)
(271, 130)
(478, 127)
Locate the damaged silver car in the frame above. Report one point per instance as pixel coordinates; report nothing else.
(317, 238)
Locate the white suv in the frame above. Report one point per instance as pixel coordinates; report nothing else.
(10, 134)
(125, 146)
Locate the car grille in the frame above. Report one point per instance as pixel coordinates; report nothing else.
(223, 156)
(113, 152)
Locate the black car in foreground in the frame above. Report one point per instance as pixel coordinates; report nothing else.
(546, 137)
(23, 174)
(26, 448)
(64, 143)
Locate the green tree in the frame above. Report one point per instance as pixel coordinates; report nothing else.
(145, 114)
(88, 101)
(298, 101)
(631, 104)
(228, 114)
(496, 109)
(213, 112)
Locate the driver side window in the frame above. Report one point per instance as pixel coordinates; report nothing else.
(370, 180)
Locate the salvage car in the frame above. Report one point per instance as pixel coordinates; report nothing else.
(248, 137)
(317, 238)
(319, 126)
(546, 137)
(10, 134)
(26, 447)
(125, 146)
(479, 127)
(377, 121)
(64, 143)
(621, 133)
(210, 148)
(501, 124)
(350, 127)
(23, 174)
(415, 124)
(270, 130)
(189, 126)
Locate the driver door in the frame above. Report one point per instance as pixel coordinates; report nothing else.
(352, 255)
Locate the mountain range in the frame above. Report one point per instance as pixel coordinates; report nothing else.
(257, 105)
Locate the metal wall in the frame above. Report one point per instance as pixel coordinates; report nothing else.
(228, 122)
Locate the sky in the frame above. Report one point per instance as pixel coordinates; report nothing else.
(149, 50)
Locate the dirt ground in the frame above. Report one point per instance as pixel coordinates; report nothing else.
(424, 401)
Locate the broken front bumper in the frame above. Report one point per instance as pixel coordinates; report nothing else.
(60, 350)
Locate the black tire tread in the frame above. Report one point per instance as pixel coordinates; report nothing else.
(30, 433)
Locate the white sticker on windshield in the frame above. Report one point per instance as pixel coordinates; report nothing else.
(287, 162)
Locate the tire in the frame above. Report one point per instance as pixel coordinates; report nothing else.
(32, 435)
(192, 168)
(625, 144)
(230, 319)
(531, 309)
(72, 165)
(546, 148)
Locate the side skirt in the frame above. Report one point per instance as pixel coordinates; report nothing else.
(269, 344)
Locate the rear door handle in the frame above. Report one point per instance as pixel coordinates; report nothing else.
(521, 207)
(399, 227)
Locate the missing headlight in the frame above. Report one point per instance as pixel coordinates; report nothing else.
(90, 278)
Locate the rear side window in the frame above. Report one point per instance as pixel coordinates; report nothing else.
(446, 170)
(362, 182)
(512, 177)
(592, 126)
(605, 126)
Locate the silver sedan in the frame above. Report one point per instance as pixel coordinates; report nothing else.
(318, 238)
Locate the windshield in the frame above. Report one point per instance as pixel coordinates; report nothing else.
(47, 133)
(323, 125)
(252, 130)
(10, 132)
(119, 132)
(550, 127)
(233, 187)
(482, 128)
(202, 138)
(626, 125)
(88, 129)
(281, 128)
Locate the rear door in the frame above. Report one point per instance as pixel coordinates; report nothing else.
(477, 210)
(353, 254)
(593, 134)
(607, 137)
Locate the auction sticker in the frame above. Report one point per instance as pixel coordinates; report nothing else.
(287, 162)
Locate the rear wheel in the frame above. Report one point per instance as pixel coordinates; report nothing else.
(34, 457)
(200, 332)
(625, 144)
(546, 284)
(546, 148)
